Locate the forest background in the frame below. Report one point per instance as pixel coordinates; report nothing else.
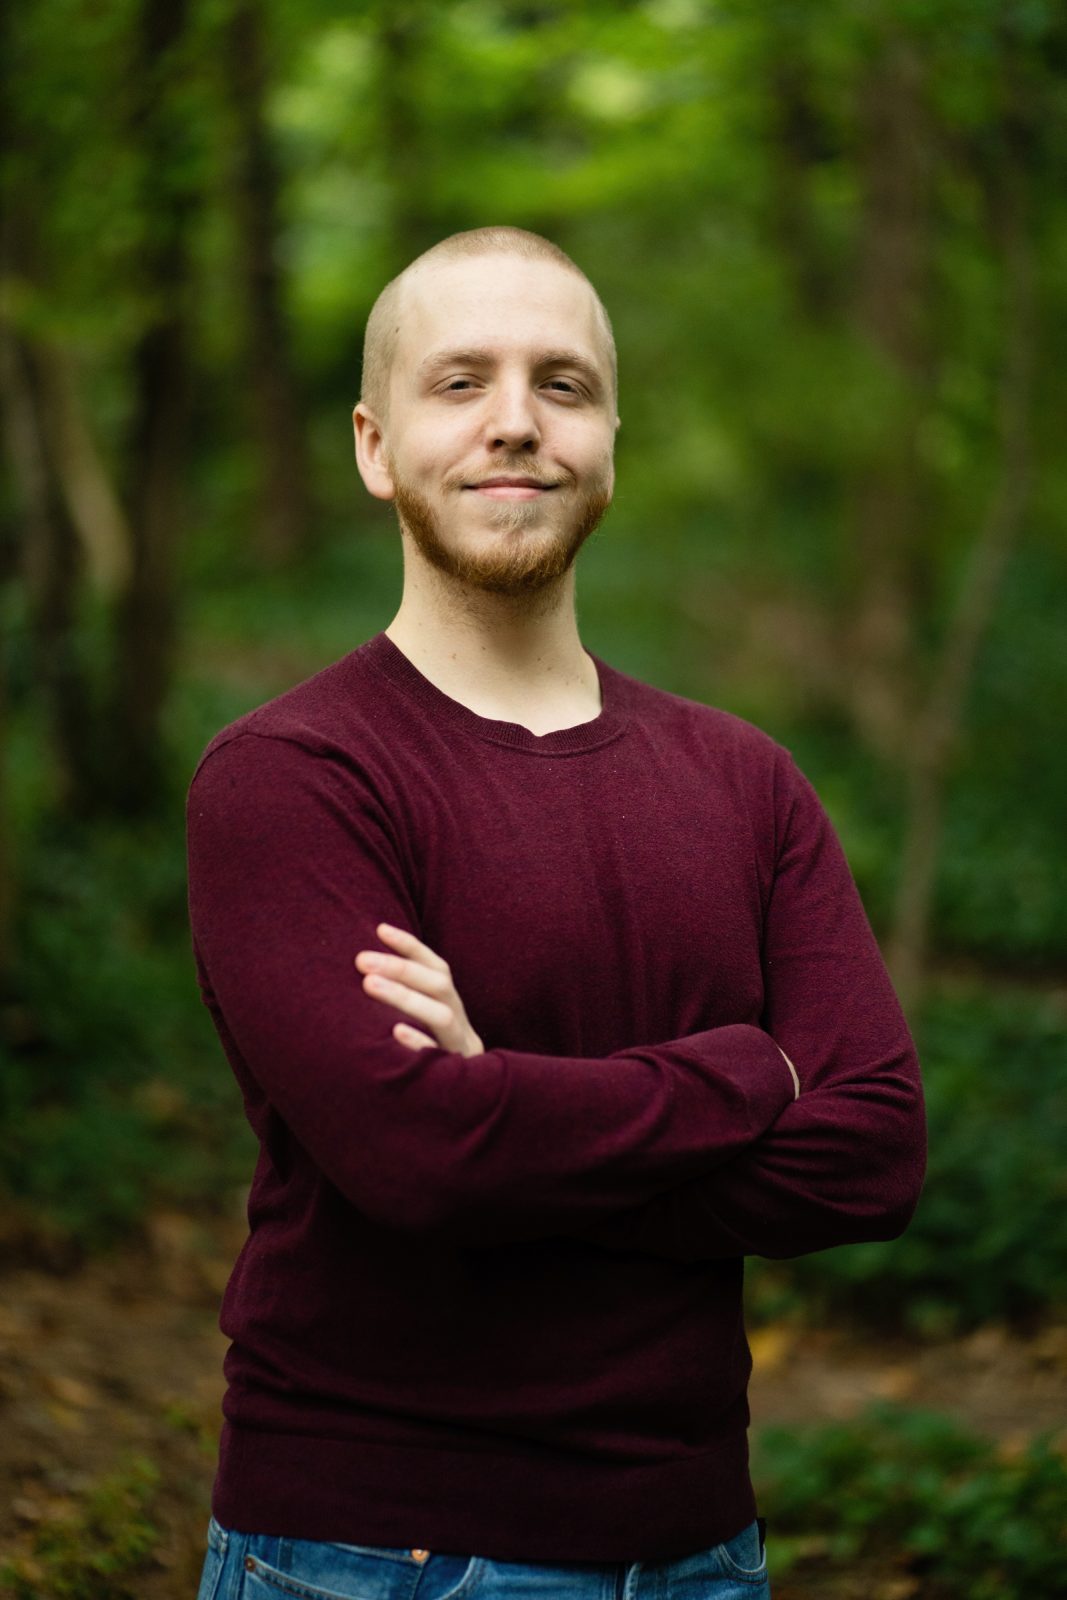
(832, 237)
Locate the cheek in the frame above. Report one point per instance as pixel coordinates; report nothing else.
(587, 449)
(600, 462)
(433, 455)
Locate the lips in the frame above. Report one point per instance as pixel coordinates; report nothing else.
(512, 483)
(508, 488)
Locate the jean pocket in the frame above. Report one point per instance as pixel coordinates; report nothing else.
(214, 1561)
(310, 1570)
(745, 1555)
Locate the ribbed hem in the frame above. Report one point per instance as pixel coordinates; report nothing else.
(384, 656)
(535, 1507)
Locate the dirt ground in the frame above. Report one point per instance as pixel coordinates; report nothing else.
(121, 1358)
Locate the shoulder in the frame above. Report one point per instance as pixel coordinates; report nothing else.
(675, 717)
(739, 763)
(327, 714)
(307, 765)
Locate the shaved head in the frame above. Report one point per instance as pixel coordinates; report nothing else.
(385, 320)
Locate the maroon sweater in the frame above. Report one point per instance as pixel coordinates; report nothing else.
(493, 1305)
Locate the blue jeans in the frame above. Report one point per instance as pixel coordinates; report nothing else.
(243, 1566)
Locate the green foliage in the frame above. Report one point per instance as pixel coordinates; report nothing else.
(1000, 896)
(911, 1488)
(97, 1553)
(203, 1430)
(989, 1238)
(112, 1094)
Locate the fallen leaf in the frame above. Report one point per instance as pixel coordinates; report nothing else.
(71, 1391)
(1013, 1446)
(1050, 1346)
(65, 1417)
(771, 1345)
(903, 1588)
(894, 1383)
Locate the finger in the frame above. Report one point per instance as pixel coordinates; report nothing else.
(413, 1038)
(430, 980)
(434, 1013)
(793, 1073)
(408, 945)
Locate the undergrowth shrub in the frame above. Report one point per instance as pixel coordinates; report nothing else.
(113, 1091)
(911, 1489)
(96, 1552)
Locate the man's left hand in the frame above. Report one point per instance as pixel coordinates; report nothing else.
(418, 982)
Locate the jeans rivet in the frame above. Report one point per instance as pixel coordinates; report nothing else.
(250, 1565)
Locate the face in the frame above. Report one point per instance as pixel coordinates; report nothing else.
(498, 443)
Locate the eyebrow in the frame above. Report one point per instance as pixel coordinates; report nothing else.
(484, 357)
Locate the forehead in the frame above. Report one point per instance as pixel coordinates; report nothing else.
(504, 302)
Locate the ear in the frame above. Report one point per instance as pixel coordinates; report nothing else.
(371, 453)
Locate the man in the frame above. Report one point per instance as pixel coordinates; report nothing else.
(551, 998)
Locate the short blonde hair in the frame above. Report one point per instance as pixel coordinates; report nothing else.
(383, 324)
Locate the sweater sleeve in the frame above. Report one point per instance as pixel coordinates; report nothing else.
(292, 864)
(845, 1162)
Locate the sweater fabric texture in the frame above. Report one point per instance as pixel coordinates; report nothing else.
(492, 1305)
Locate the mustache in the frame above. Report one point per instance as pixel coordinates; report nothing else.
(511, 469)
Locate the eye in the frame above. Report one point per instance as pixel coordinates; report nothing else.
(564, 386)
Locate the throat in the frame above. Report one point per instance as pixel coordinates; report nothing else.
(543, 693)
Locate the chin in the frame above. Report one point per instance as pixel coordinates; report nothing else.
(509, 565)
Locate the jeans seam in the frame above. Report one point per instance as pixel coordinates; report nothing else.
(746, 1574)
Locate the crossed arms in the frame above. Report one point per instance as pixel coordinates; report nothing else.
(692, 1149)
(414, 979)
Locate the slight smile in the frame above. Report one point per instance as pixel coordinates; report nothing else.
(512, 488)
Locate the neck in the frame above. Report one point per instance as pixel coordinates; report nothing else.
(512, 658)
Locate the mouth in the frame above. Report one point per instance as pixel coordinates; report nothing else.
(503, 488)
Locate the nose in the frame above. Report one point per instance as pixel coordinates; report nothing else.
(511, 423)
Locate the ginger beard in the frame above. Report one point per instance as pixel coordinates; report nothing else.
(526, 546)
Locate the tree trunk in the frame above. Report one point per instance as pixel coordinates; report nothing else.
(284, 521)
(52, 571)
(83, 479)
(891, 291)
(799, 142)
(43, 550)
(401, 41)
(146, 619)
(7, 863)
(936, 731)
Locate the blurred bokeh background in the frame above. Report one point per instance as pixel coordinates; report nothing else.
(833, 241)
